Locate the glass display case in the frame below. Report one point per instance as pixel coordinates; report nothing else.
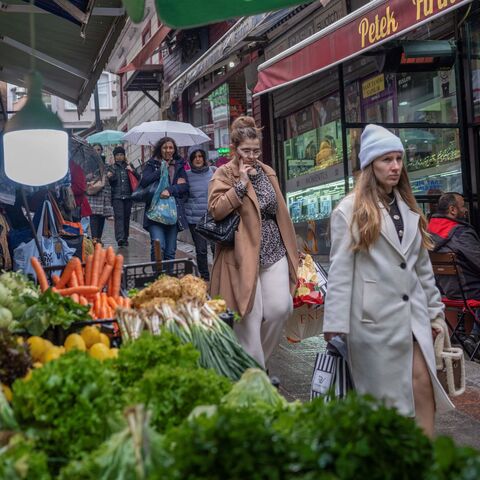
(313, 138)
(315, 203)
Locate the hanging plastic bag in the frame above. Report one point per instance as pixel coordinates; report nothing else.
(307, 318)
(163, 210)
(56, 252)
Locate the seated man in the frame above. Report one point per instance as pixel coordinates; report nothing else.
(452, 233)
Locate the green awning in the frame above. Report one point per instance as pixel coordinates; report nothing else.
(192, 13)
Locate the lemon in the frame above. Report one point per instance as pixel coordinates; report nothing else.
(38, 365)
(52, 354)
(99, 351)
(75, 340)
(7, 391)
(48, 344)
(105, 340)
(113, 352)
(90, 335)
(37, 347)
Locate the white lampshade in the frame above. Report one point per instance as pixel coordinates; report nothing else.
(36, 157)
(35, 146)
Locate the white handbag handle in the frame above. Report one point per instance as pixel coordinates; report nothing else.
(445, 355)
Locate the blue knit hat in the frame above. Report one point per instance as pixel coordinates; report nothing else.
(375, 142)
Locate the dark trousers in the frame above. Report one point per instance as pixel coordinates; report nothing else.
(121, 215)
(97, 222)
(201, 248)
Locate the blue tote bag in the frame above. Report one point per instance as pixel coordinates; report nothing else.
(56, 251)
(163, 210)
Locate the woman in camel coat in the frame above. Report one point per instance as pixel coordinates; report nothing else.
(260, 289)
(381, 288)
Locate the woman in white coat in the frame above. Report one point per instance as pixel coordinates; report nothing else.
(381, 288)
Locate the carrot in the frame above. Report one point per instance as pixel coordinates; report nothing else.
(96, 264)
(88, 270)
(73, 280)
(75, 297)
(79, 273)
(128, 302)
(67, 272)
(110, 256)
(109, 288)
(117, 276)
(55, 279)
(85, 290)
(104, 277)
(40, 272)
(83, 300)
(112, 303)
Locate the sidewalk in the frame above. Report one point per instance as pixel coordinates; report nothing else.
(293, 363)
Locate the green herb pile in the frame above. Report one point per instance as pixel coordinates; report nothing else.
(19, 460)
(137, 357)
(172, 393)
(70, 403)
(50, 310)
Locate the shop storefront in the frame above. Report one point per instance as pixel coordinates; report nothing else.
(427, 92)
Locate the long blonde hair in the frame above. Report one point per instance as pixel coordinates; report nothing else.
(367, 217)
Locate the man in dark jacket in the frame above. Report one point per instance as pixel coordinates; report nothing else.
(118, 176)
(452, 233)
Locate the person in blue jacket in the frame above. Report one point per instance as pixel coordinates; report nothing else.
(166, 150)
(197, 202)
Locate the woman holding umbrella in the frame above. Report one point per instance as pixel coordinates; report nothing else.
(166, 161)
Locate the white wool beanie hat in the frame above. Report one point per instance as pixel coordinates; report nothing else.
(375, 142)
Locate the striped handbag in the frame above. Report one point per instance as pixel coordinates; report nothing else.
(331, 374)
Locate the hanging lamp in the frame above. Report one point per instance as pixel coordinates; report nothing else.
(34, 142)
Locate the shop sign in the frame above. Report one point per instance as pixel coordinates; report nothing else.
(217, 52)
(321, 18)
(327, 175)
(219, 103)
(368, 27)
(373, 86)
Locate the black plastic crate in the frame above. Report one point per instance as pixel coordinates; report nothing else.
(140, 274)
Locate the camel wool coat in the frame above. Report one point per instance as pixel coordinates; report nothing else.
(381, 299)
(235, 269)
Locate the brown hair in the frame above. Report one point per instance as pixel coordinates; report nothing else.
(367, 218)
(244, 128)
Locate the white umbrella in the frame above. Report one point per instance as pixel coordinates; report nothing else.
(148, 133)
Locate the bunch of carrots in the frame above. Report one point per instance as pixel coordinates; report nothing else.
(96, 284)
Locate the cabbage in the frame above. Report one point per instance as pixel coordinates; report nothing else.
(254, 389)
(6, 317)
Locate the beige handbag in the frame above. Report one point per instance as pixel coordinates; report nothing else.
(95, 187)
(450, 361)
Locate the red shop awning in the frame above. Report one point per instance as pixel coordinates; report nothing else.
(375, 23)
(147, 50)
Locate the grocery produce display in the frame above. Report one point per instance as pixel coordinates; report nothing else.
(180, 399)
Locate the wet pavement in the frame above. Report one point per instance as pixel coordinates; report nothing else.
(293, 363)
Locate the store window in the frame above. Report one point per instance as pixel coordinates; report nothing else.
(475, 67)
(432, 159)
(104, 86)
(313, 138)
(428, 97)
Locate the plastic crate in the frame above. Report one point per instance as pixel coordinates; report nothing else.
(140, 274)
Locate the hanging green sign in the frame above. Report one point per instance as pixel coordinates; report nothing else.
(192, 13)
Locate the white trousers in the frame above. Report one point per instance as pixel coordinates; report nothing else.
(260, 331)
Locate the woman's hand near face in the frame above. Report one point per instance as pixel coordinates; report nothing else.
(165, 194)
(243, 171)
